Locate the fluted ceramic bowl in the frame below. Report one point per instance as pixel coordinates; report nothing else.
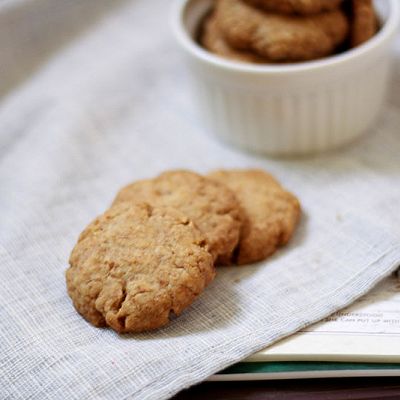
(288, 109)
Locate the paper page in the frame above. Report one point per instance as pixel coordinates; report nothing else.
(368, 330)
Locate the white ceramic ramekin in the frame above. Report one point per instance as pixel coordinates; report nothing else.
(288, 109)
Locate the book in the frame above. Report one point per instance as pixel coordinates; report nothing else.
(360, 340)
(247, 371)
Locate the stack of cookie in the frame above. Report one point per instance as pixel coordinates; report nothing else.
(153, 252)
(280, 31)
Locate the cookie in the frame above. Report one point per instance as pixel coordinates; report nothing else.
(364, 22)
(135, 265)
(212, 39)
(279, 37)
(270, 212)
(209, 204)
(303, 7)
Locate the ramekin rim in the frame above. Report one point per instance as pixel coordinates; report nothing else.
(387, 30)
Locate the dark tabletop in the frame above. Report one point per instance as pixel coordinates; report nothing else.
(300, 389)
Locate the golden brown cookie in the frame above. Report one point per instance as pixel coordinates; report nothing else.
(364, 22)
(304, 7)
(210, 205)
(271, 213)
(135, 265)
(281, 37)
(212, 39)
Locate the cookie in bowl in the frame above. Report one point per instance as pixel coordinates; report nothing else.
(281, 37)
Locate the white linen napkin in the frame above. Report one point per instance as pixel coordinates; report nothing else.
(94, 95)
